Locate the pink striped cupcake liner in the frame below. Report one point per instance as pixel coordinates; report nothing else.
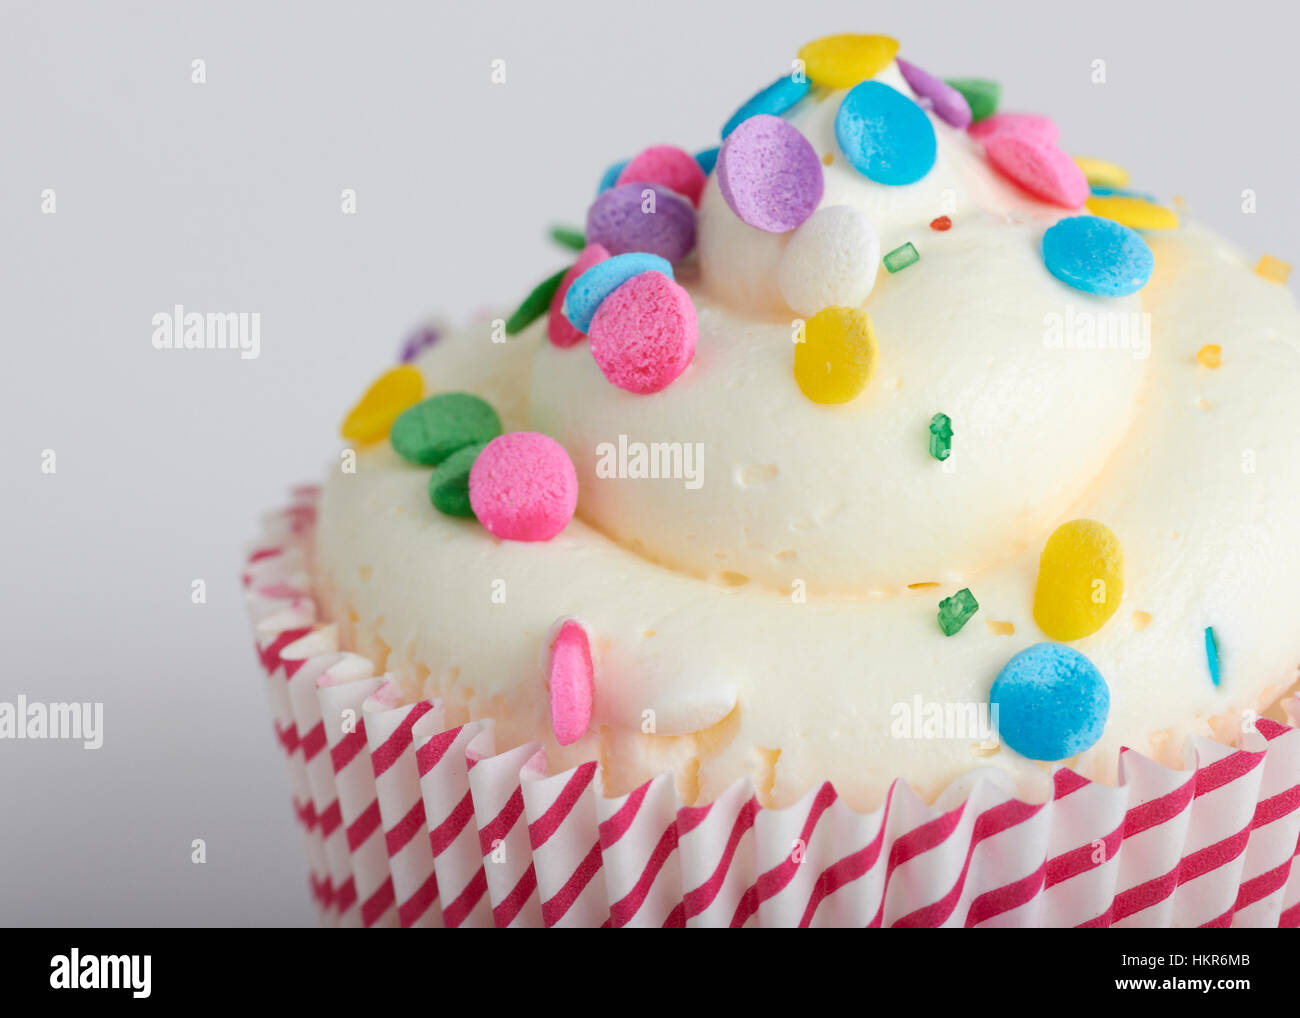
(409, 823)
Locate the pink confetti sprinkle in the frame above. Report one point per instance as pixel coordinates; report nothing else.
(643, 334)
(572, 683)
(1033, 124)
(523, 487)
(560, 330)
(668, 166)
(769, 175)
(948, 104)
(1040, 167)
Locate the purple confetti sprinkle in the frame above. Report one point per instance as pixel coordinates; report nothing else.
(621, 219)
(769, 174)
(948, 104)
(418, 342)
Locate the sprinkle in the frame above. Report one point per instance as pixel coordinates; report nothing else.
(610, 176)
(941, 223)
(449, 484)
(834, 362)
(1141, 620)
(828, 158)
(534, 305)
(558, 328)
(941, 436)
(642, 217)
(1097, 256)
(432, 430)
(572, 681)
(775, 99)
(1102, 191)
(884, 135)
(1134, 212)
(567, 236)
(1273, 269)
(707, 158)
(841, 61)
(1210, 355)
(769, 175)
(595, 284)
(1212, 654)
(1051, 701)
(1101, 173)
(523, 487)
(949, 105)
(417, 343)
(668, 166)
(643, 334)
(901, 257)
(832, 258)
(1080, 580)
(955, 611)
(1034, 124)
(389, 394)
(996, 628)
(1038, 166)
(980, 93)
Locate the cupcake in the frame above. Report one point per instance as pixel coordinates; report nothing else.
(885, 482)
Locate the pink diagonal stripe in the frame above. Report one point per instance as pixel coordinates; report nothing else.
(409, 912)
(1263, 885)
(456, 912)
(616, 826)
(330, 819)
(313, 742)
(1229, 769)
(396, 744)
(270, 657)
(696, 901)
(1211, 857)
(428, 755)
(504, 914)
(1159, 810)
(346, 896)
(549, 822)
(775, 880)
(347, 749)
(363, 826)
(501, 824)
(378, 903)
(555, 908)
(1135, 899)
(405, 829)
(441, 837)
(1066, 781)
(1275, 807)
(625, 909)
(848, 869)
(1079, 860)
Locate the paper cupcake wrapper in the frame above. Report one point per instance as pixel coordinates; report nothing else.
(409, 823)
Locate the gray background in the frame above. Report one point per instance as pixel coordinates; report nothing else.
(226, 197)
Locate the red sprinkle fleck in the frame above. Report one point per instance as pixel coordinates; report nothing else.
(942, 223)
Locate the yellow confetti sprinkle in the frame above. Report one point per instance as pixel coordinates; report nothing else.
(1000, 628)
(841, 61)
(1273, 269)
(1136, 213)
(1210, 355)
(1141, 620)
(1101, 173)
(828, 158)
(838, 353)
(1080, 580)
(390, 394)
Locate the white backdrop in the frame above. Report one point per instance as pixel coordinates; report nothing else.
(226, 196)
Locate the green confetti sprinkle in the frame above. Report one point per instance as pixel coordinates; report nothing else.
(940, 436)
(1212, 654)
(980, 93)
(901, 257)
(449, 485)
(433, 429)
(535, 304)
(567, 236)
(955, 611)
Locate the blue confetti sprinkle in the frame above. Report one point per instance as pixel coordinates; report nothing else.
(611, 176)
(1051, 702)
(707, 159)
(602, 279)
(1212, 654)
(775, 99)
(884, 135)
(1120, 192)
(1098, 255)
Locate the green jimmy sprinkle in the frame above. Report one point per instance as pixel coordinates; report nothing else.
(940, 436)
(535, 304)
(981, 94)
(901, 257)
(955, 611)
(567, 236)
